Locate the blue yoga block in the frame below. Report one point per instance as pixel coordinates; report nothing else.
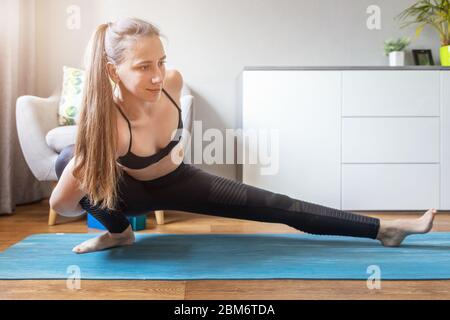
(137, 222)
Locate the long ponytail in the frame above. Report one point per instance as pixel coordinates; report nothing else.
(97, 136)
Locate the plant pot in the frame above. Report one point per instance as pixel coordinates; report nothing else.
(397, 58)
(445, 56)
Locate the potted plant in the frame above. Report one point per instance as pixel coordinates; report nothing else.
(394, 49)
(435, 13)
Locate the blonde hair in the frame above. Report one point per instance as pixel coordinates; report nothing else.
(96, 142)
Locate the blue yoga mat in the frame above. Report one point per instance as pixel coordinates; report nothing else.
(229, 256)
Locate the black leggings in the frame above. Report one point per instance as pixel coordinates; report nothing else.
(191, 189)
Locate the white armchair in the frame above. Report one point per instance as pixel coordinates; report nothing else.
(42, 139)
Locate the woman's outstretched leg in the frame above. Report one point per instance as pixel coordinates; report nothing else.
(195, 190)
(119, 229)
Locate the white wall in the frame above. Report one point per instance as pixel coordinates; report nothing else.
(210, 41)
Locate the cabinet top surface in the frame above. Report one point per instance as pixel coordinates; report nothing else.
(293, 68)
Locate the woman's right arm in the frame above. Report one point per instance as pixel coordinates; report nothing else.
(66, 195)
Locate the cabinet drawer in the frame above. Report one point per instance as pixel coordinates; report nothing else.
(398, 140)
(390, 186)
(390, 93)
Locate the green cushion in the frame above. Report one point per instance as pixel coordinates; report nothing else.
(71, 96)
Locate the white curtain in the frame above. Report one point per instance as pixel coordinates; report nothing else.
(17, 77)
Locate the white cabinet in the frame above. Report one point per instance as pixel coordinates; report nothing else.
(354, 139)
(445, 140)
(304, 109)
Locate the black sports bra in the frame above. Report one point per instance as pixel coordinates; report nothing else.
(133, 161)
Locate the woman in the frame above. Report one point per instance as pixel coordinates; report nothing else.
(116, 168)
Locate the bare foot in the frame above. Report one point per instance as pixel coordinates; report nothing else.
(393, 232)
(106, 240)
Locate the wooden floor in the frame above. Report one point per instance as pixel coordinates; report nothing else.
(32, 218)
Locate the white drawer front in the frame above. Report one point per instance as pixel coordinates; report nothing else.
(390, 186)
(390, 93)
(398, 140)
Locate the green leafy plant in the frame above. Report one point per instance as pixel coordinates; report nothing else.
(435, 13)
(391, 45)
